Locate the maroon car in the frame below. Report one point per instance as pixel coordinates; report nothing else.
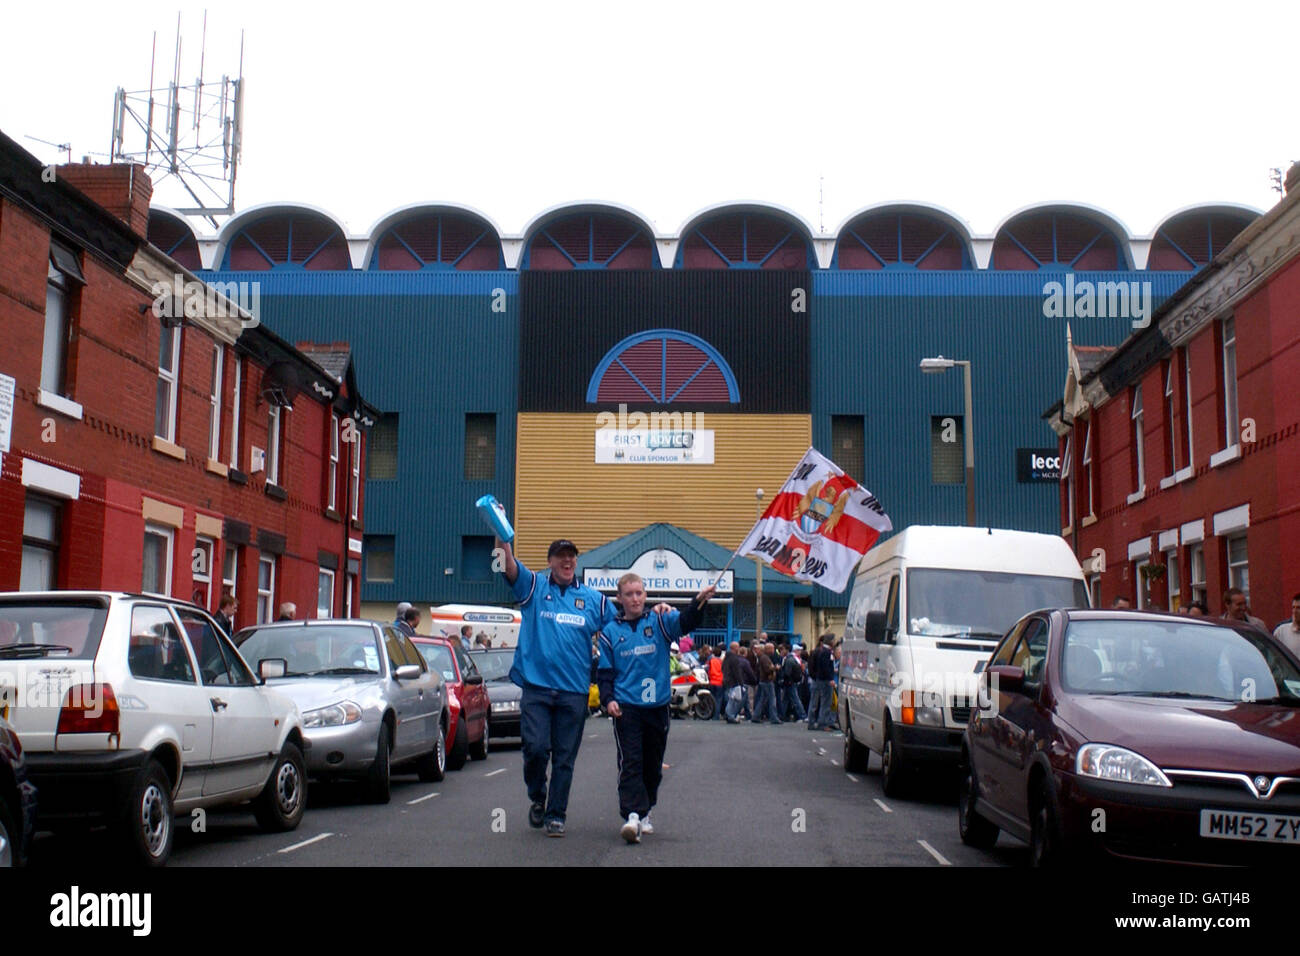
(467, 731)
(1135, 734)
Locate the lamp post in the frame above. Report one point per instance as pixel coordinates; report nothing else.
(758, 566)
(937, 366)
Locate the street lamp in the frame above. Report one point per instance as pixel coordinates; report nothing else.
(937, 366)
(758, 565)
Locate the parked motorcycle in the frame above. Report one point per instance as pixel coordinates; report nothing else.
(691, 696)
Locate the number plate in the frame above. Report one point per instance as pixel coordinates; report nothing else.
(1252, 827)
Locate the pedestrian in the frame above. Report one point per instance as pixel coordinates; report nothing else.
(402, 608)
(1198, 609)
(715, 683)
(765, 694)
(288, 611)
(733, 681)
(821, 671)
(226, 613)
(1121, 603)
(1236, 609)
(467, 636)
(751, 680)
(635, 689)
(1288, 632)
(409, 621)
(791, 676)
(552, 666)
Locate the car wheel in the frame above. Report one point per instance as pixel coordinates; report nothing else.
(974, 829)
(145, 827)
(1046, 841)
(459, 752)
(479, 751)
(893, 768)
(856, 756)
(283, 800)
(433, 766)
(379, 780)
(8, 852)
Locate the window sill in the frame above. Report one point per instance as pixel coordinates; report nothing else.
(333, 515)
(1086, 522)
(1177, 477)
(356, 525)
(1231, 453)
(1136, 496)
(1067, 531)
(217, 468)
(163, 446)
(237, 476)
(57, 403)
(276, 492)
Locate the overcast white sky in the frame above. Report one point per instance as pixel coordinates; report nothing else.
(1139, 108)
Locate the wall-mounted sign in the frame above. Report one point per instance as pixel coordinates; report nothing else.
(641, 446)
(1038, 464)
(6, 411)
(664, 572)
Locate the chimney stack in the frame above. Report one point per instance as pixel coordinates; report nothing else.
(122, 189)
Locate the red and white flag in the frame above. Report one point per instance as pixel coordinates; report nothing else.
(819, 525)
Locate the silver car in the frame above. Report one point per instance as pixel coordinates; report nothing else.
(369, 701)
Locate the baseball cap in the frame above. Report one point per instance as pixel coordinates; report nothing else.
(563, 544)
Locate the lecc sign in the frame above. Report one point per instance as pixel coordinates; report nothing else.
(1037, 464)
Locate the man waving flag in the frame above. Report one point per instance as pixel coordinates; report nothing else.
(819, 524)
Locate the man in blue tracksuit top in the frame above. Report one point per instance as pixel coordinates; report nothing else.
(635, 688)
(553, 667)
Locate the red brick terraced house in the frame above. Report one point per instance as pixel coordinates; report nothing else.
(1181, 447)
(154, 436)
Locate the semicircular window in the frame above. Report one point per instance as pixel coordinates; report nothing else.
(288, 241)
(438, 242)
(663, 366)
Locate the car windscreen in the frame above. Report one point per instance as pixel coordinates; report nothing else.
(494, 665)
(51, 628)
(311, 650)
(958, 603)
(1176, 659)
(439, 658)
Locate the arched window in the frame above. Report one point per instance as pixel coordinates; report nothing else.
(1057, 240)
(174, 237)
(288, 241)
(1190, 240)
(590, 241)
(663, 366)
(438, 242)
(744, 241)
(884, 240)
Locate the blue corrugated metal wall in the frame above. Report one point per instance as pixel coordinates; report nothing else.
(870, 331)
(428, 346)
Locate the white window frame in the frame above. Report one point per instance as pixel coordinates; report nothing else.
(1173, 580)
(323, 573)
(1136, 415)
(172, 377)
(349, 582)
(1067, 471)
(169, 535)
(1094, 589)
(267, 594)
(1170, 408)
(1143, 601)
(1236, 566)
(355, 490)
(1230, 409)
(229, 580)
(204, 578)
(1187, 403)
(273, 445)
(54, 366)
(333, 467)
(214, 400)
(234, 413)
(1196, 572)
(1086, 461)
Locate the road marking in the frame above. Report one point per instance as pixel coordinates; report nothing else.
(299, 846)
(851, 777)
(427, 796)
(835, 762)
(881, 804)
(589, 736)
(821, 751)
(495, 772)
(934, 853)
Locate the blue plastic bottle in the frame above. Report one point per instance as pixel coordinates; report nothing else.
(494, 515)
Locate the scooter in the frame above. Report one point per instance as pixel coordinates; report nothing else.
(691, 696)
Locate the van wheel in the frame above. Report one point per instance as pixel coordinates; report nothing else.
(893, 768)
(974, 829)
(283, 800)
(856, 756)
(146, 827)
(379, 780)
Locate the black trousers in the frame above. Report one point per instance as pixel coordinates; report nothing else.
(641, 735)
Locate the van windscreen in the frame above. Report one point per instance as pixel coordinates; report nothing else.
(947, 603)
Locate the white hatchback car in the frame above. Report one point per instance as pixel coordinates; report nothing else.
(133, 708)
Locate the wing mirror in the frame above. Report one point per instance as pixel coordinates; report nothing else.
(874, 630)
(269, 668)
(1004, 677)
(407, 672)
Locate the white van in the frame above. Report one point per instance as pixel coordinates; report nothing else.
(928, 607)
(501, 624)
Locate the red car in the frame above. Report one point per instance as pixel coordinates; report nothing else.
(1132, 734)
(467, 699)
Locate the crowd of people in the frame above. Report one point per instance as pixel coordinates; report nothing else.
(1236, 608)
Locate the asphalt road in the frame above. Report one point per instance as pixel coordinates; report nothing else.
(732, 795)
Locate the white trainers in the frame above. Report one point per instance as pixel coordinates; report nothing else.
(631, 830)
(646, 825)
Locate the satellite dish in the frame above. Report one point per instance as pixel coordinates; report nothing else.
(280, 384)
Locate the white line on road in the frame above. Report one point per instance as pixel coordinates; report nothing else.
(881, 804)
(299, 846)
(821, 751)
(495, 772)
(835, 762)
(851, 777)
(589, 736)
(934, 853)
(427, 796)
